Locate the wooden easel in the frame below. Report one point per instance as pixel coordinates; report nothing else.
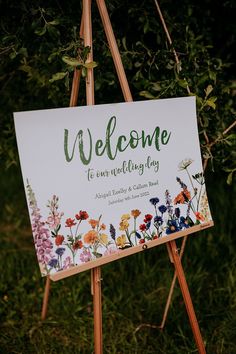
(175, 257)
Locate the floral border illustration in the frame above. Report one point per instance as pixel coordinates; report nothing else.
(58, 250)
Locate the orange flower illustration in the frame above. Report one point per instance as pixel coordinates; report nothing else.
(135, 213)
(93, 223)
(91, 237)
(182, 197)
(103, 227)
(199, 216)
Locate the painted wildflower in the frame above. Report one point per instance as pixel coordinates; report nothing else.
(67, 263)
(70, 222)
(83, 215)
(121, 241)
(199, 216)
(154, 201)
(125, 217)
(103, 238)
(85, 256)
(142, 227)
(172, 227)
(53, 263)
(60, 251)
(135, 213)
(158, 220)
(90, 237)
(162, 209)
(54, 218)
(77, 245)
(59, 240)
(163, 216)
(112, 232)
(148, 218)
(110, 250)
(124, 225)
(41, 234)
(94, 223)
(184, 164)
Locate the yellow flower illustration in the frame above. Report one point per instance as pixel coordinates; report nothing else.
(125, 217)
(124, 225)
(121, 240)
(104, 239)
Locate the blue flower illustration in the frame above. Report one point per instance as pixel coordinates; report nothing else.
(158, 220)
(172, 227)
(154, 201)
(60, 251)
(53, 263)
(162, 209)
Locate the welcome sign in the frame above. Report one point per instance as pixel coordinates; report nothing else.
(106, 181)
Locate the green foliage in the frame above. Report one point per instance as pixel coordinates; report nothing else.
(39, 56)
(40, 46)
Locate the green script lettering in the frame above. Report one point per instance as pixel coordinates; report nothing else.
(79, 137)
(111, 145)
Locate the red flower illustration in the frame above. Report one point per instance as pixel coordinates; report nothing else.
(142, 227)
(59, 239)
(148, 218)
(77, 245)
(70, 222)
(83, 215)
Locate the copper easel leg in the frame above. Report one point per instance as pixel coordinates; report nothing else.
(114, 50)
(172, 286)
(97, 308)
(45, 299)
(96, 272)
(186, 295)
(88, 42)
(73, 103)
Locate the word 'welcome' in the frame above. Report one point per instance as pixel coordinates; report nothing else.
(110, 147)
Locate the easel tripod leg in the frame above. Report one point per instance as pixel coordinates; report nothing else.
(168, 302)
(97, 308)
(114, 50)
(45, 299)
(186, 295)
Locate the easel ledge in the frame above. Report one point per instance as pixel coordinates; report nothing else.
(127, 252)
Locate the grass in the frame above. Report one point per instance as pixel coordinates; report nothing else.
(134, 290)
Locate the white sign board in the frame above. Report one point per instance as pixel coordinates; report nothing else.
(105, 181)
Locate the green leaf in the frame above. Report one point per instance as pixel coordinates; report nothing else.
(183, 83)
(41, 31)
(25, 68)
(71, 61)
(84, 72)
(58, 76)
(146, 94)
(230, 178)
(54, 22)
(211, 102)
(156, 86)
(208, 90)
(90, 65)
